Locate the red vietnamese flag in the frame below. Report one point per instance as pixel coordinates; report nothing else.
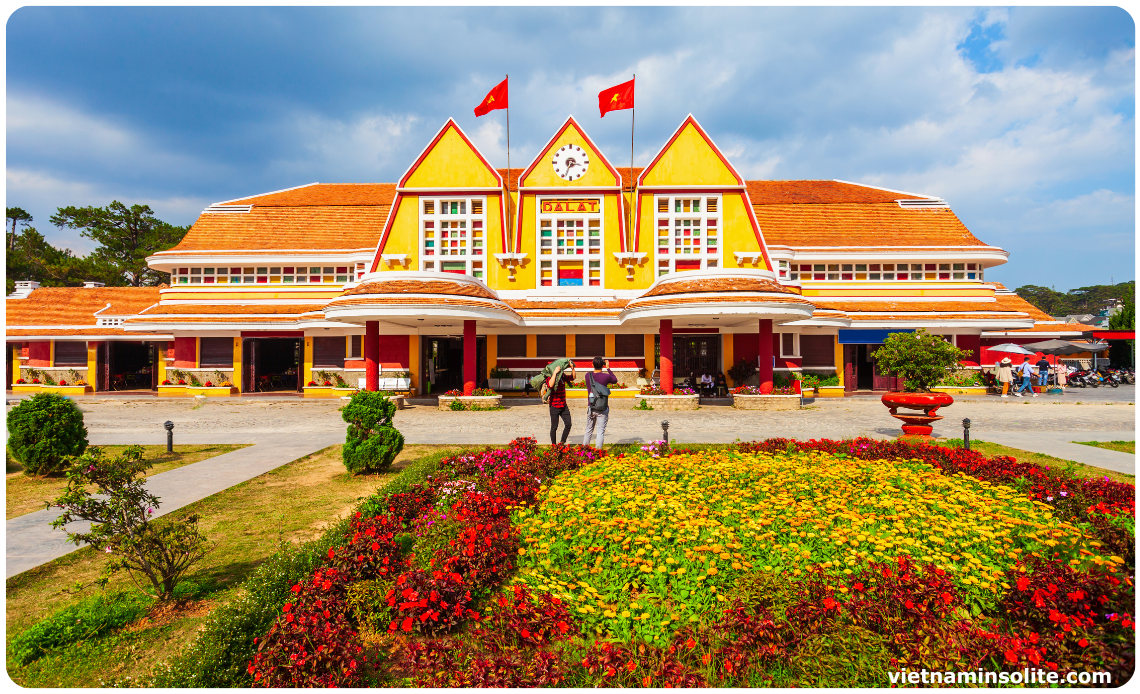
(616, 98)
(496, 98)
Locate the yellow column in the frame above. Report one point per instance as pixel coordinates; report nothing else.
(308, 373)
(93, 364)
(51, 353)
(414, 360)
(650, 363)
(729, 359)
(492, 352)
(839, 360)
(611, 345)
(571, 345)
(15, 364)
(236, 378)
(197, 353)
(531, 346)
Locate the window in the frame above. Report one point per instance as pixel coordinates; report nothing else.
(70, 353)
(217, 352)
(589, 346)
(817, 350)
(355, 347)
(328, 352)
(453, 234)
(266, 275)
(551, 345)
(570, 242)
(879, 272)
(789, 345)
(688, 233)
(629, 346)
(512, 346)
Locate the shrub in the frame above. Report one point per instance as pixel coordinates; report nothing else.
(740, 371)
(44, 431)
(120, 513)
(371, 443)
(86, 619)
(922, 359)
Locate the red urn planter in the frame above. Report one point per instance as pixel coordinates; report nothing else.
(917, 425)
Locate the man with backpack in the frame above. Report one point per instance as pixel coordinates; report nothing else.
(554, 392)
(598, 397)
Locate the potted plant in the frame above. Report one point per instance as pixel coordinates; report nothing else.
(923, 360)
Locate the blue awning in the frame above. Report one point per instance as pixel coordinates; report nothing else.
(867, 337)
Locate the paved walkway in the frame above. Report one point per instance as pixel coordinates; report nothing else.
(1060, 445)
(31, 541)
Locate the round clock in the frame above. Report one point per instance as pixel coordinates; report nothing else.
(570, 162)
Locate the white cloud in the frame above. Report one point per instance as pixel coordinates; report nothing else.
(361, 148)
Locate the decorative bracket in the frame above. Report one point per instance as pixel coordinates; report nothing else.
(510, 261)
(630, 260)
(394, 259)
(751, 256)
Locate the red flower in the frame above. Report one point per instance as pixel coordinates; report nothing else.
(1010, 657)
(326, 585)
(297, 589)
(858, 586)
(909, 605)
(407, 625)
(631, 666)
(1022, 583)
(829, 604)
(1083, 642)
(706, 658)
(690, 643)
(288, 606)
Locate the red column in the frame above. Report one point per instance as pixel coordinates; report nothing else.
(667, 356)
(372, 355)
(468, 357)
(765, 354)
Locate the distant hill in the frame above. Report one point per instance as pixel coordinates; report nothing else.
(1075, 301)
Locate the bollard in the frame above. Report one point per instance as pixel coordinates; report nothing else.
(966, 434)
(665, 431)
(169, 436)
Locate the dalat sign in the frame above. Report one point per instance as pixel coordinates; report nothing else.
(570, 205)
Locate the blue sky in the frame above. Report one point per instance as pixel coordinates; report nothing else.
(1023, 119)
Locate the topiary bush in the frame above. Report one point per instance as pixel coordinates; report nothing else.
(44, 431)
(371, 443)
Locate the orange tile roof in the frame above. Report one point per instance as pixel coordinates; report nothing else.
(277, 320)
(32, 332)
(960, 306)
(719, 284)
(511, 176)
(981, 315)
(270, 228)
(819, 192)
(77, 305)
(325, 195)
(440, 286)
(1060, 328)
(744, 298)
(228, 309)
(432, 301)
(523, 305)
(860, 225)
(1013, 302)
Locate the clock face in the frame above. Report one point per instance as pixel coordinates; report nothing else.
(570, 162)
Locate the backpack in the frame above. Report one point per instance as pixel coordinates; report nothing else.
(598, 401)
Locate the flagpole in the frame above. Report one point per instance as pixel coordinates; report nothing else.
(507, 179)
(632, 194)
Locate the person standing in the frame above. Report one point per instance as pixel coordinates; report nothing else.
(558, 409)
(1061, 374)
(598, 401)
(1025, 371)
(1043, 374)
(1005, 375)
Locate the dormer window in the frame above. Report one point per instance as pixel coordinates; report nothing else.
(688, 233)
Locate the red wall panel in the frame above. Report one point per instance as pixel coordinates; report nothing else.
(39, 354)
(185, 352)
(394, 351)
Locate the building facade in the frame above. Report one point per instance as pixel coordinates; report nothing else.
(460, 270)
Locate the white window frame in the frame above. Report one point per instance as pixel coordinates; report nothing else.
(835, 271)
(795, 345)
(666, 263)
(262, 275)
(554, 257)
(474, 249)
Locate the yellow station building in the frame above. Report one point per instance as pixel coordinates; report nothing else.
(461, 273)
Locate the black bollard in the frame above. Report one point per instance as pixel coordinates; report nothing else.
(665, 430)
(966, 434)
(169, 436)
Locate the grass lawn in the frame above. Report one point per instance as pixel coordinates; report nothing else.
(27, 493)
(1069, 466)
(290, 504)
(1122, 446)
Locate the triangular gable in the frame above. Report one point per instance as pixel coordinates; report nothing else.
(451, 161)
(690, 158)
(599, 174)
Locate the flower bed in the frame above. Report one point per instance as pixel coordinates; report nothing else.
(480, 399)
(772, 563)
(773, 401)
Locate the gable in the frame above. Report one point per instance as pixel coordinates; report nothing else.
(690, 159)
(599, 173)
(451, 161)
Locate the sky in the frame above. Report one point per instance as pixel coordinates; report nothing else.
(1022, 119)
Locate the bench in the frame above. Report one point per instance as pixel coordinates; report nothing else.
(401, 386)
(501, 384)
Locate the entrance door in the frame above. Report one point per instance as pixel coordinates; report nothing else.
(249, 366)
(102, 378)
(850, 368)
(866, 379)
(695, 354)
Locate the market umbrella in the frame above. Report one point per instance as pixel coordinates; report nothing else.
(1063, 347)
(1008, 347)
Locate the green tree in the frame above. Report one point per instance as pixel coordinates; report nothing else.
(31, 257)
(1125, 318)
(921, 358)
(121, 512)
(126, 236)
(371, 442)
(14, 216)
